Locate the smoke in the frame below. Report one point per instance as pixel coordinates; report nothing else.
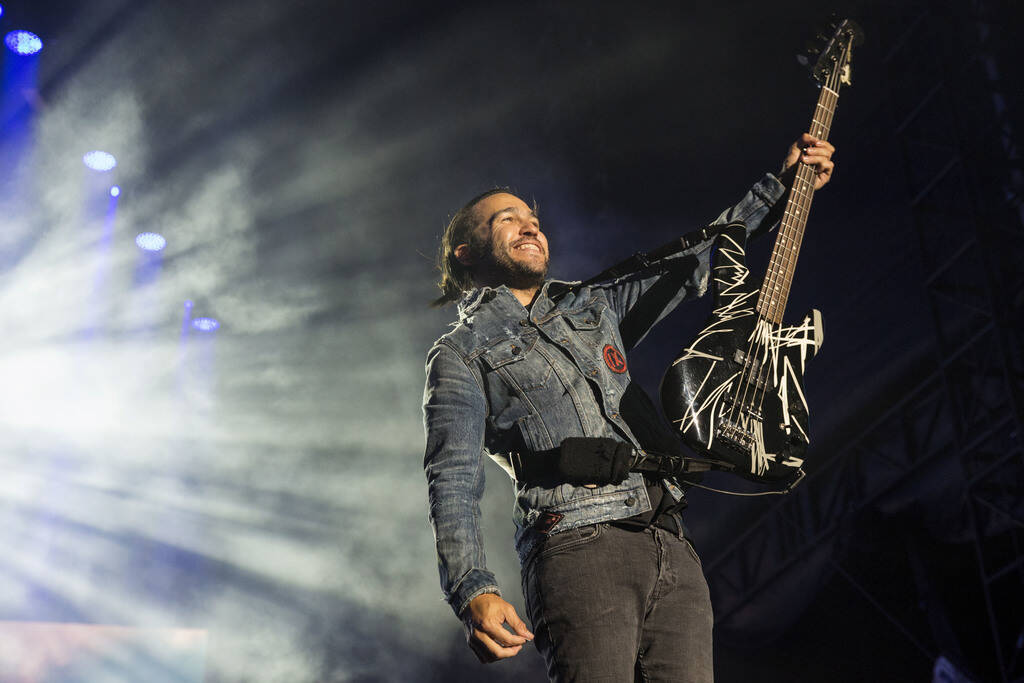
(262, 486)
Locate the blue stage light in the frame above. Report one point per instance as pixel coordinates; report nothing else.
(115, 191)
(99, 161)
(23, 42)
(150, 241)
(1, 10)
(205, 324)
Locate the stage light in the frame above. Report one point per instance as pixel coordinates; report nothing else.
(23, 43)
(205, 324)
(99, 161)
(1, 10)
(150, 241)
(115, 191)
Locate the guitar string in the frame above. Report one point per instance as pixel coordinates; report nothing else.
(742, 380)
(756, 346)
(780, 262)
(824, 111)
(771, 283)
(825, 124)
(805, 191)
(786, 266)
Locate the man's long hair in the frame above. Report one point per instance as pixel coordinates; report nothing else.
(456, 278)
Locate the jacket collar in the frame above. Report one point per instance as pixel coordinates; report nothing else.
(503, 296)
(474, 298)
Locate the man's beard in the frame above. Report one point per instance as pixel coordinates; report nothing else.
(508, 271)
(519, 275)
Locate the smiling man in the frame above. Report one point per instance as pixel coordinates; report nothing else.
(507, 247)
(613, 586)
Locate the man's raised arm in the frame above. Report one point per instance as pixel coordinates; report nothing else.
(644, 298)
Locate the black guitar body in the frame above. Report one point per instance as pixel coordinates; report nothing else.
(736, 393)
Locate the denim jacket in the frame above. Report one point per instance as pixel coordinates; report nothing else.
(509, 379)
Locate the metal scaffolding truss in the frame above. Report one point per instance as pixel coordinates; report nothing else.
(953, 111)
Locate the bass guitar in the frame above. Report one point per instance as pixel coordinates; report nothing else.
(736, 392)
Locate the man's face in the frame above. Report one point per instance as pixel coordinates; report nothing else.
(508, 242)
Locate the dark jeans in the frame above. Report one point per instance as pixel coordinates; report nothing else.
(610, 604)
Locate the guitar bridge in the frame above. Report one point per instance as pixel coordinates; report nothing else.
(736, 437)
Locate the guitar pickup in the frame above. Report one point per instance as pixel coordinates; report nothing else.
(751, 369)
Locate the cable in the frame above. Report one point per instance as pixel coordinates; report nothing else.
(749, 495)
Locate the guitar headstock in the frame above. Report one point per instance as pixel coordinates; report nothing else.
(828, 54)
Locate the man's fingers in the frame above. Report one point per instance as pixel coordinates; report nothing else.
(820, 164)
(817, 162)
(485, 622)
(813, 152)
(488, 651)
(822, 174)
(512, 619)
(808, 144)
(500, 635)
(482, 652)
(485, 646)
(518, 626)
(807, 140)
(818, 157)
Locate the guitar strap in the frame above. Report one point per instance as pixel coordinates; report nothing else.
(642, 261)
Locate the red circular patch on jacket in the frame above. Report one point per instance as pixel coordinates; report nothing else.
(614, 360)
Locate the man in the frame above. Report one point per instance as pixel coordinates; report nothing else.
(613, 587)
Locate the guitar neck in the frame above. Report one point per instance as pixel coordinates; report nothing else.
(771, 302)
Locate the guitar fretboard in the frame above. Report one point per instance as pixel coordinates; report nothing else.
(771, 302)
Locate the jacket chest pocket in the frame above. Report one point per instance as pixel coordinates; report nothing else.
(598, 336)
(518, 361)
(587, 324)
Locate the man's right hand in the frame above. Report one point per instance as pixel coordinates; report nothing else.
(484, 620)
